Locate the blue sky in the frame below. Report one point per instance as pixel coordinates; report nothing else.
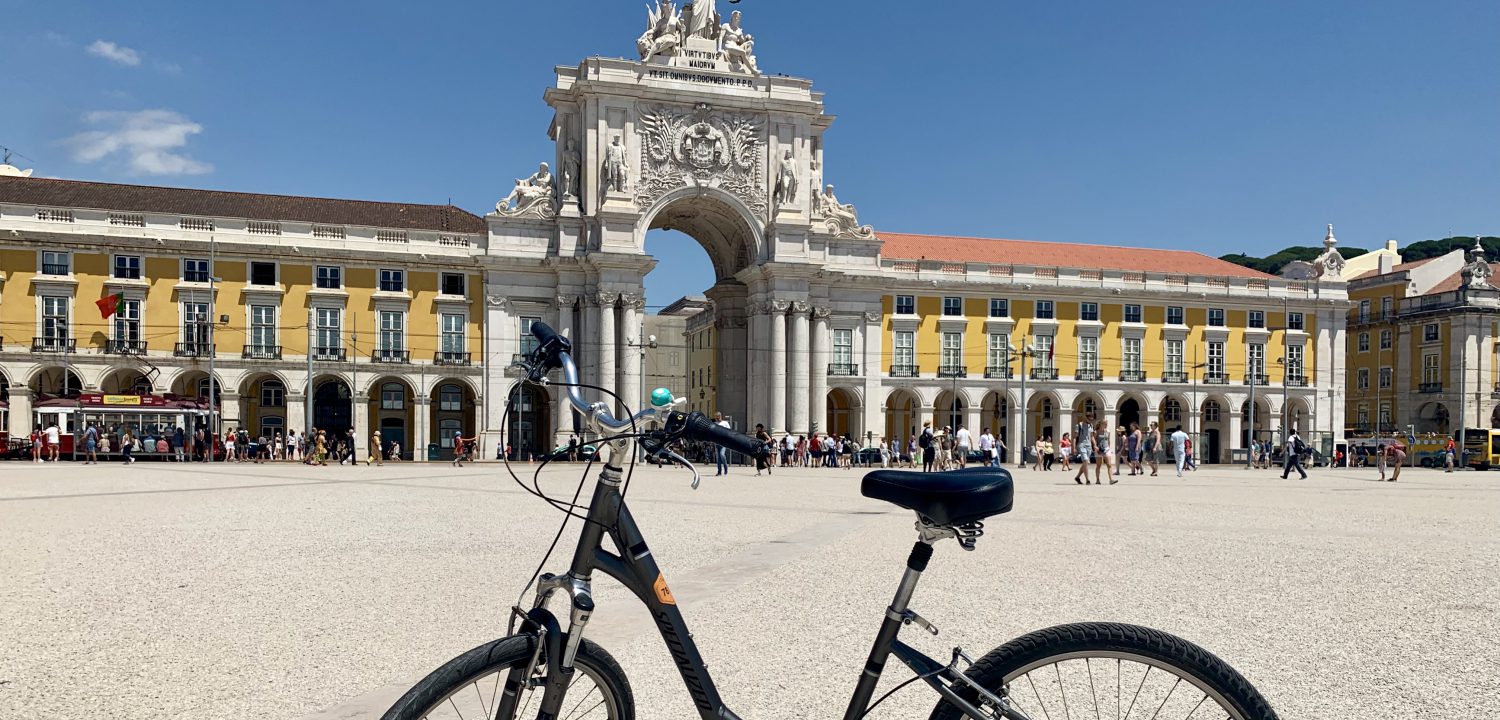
(1216, 126)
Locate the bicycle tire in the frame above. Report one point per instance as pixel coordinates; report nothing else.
(428, 697)
(1111, 642)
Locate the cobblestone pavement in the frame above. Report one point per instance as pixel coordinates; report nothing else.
(280, 591)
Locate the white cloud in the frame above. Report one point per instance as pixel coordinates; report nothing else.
(148, 140)
(115, 53)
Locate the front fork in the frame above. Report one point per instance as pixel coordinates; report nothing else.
(552, 646)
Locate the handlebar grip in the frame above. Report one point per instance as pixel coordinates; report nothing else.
(699, 427)
(545, 336)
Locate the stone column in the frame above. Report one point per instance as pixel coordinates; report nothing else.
(776, 421)
(607, 346)
(20, 412)
(867, 355)
(229, 409)
(1015, 443)
(818, 392)
(422, 414)
(756, 406)
(799, 368)
(362, 427)
(500, 343)
(1233, 442)
(1064, 419)
(296, 410)
(562, 417)
(633, 334)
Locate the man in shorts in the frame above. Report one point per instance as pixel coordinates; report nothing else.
(54, 441)
(1083, 442)
(91, 445)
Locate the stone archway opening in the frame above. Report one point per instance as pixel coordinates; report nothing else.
(843, 413)
(333, 408)
(1432, 419)
(56, 382)
(901, 415)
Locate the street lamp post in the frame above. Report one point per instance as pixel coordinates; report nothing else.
(1020, 441)
(213, 350)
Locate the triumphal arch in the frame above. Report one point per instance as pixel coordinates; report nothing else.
(694, 137)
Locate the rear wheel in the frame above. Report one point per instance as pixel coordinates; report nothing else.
(1124, 671)
(471, 686)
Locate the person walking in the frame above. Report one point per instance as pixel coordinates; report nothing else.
(1038, 449)
(1450, 456)
(1292, 449)
(1153, 447)
(965, 441)
(925, 442)
(1065, 451)
(1049, 453)
(1191, 463)
(91, 445)
(721, 456)
(762, 459)
(1104, 462)
(179, 444)
(127, 445)
(1180, 446)
(987, 448)
(377, 450)
(54, 441)
(1083, 440)
(1133, 448)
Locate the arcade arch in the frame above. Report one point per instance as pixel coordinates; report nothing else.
(901, 419)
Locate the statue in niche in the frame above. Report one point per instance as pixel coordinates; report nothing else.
(531, 195)
(664, 32)
(843, 220)
(616, 166)
(786, 181)
(739, 46)
(571, 163)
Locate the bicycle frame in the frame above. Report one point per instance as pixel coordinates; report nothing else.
(636, 569)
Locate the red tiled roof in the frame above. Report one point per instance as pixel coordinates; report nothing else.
(1448, 284)
(48, 192)
(1057, 254)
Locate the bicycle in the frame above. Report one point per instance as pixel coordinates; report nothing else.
(558, 674)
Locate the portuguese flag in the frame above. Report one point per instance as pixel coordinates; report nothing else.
(109, 304)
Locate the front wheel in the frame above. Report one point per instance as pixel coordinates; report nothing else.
(1124, 671)
(473, 684)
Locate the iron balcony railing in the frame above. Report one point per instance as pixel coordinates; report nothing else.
(997, 372)
(53, 344)
(193, 350)
(1093, 375)
(904, 371)
(55, 269)
(1296, 381)
(1430, 387)
(1174, 377)
(1132, 376)
(1216, 378)
(1256, 379)
(262, 352)
(953, 371)
(390, 355)
(332, 354)
(125, 347)
(843, 369)
(1043, 373)
(445, 357)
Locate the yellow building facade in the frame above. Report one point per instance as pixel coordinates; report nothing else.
(305, 312)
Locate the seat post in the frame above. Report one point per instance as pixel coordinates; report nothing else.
(895, 616)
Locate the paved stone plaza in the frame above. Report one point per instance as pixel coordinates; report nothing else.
(164, 591)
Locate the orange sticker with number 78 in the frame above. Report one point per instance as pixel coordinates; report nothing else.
(663, 593)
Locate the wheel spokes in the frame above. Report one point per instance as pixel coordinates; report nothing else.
(1156, 691)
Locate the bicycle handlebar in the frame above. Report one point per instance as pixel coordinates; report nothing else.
(699, 427)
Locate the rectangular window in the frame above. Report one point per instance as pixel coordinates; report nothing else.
(453, 333)
(127, 267)
(1362, 381)
(843, 347)
(1430, 371)
(272, 394)
(1294, 321)
(392, 330)
(1088, 311)
(330, 277)
(1257, 319)
(528, 341)
(953, 350)
(1133, 356)
(330, 335)
(906, 305)
(1216, 359)
(1088, 354)
(997, 358)
(1043, 346)
(1385, 378)
(194, 270)
(1364, 415)
(1044, 310)
(1364, 310)
(1255, 360)
(1385, 307)
(392, 280)
(1175, 361)
(1216, 317)
(1385, 339)
(1175, 315)
(1364, 342)
(56, 262)
(1385, 415)
(953, 307)
(1294, 361)
(262, 329)
(454, 284)
(1132, 313)
(128, 322)
(263, 274)
(999, 307)
(904, 349)
(195, 326)
(1430, 332)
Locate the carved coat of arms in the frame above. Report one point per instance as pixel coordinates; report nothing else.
(683, 147)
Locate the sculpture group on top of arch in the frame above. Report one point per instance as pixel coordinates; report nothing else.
(697, 29)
